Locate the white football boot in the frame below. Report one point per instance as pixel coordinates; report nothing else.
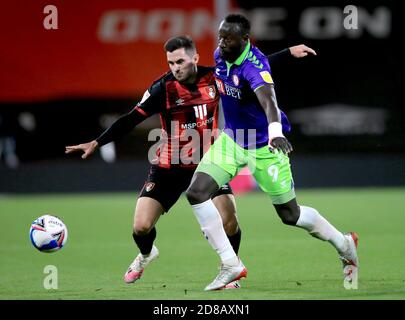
(349, 257)
(233, 285)
(227, 274)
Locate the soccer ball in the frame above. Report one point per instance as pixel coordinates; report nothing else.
(48, 233)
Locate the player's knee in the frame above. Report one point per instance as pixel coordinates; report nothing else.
(289, 220)
(288, 215)
(141, 229)
(196, 195)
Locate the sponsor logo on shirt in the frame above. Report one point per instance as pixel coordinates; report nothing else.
(220, 85)
(235, 80)
(227, 89)
(198, 124)
(233, 92)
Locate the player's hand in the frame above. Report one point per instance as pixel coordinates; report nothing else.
(301, 51)
(88, 148)
(282, 144)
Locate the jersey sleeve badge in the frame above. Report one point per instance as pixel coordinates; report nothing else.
(266, 76)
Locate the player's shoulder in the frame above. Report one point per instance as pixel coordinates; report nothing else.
(168, 75)
(256, 61)
(257, 52)
(159, 83)
(204, 71)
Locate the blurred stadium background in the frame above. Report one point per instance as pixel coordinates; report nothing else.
(64, 86)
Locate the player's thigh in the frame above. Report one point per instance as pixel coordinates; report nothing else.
(223, 160)
(166, 185)
(147, 213)
(272, 172)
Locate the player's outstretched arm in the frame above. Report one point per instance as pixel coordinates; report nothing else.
(121, 127)
(87, 148)
(285, 55)
(301, 51)
(267, 98)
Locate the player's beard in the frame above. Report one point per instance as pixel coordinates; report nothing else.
(231, 54)
(188, 76)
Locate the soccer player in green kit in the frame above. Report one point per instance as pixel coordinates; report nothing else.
(253, 136)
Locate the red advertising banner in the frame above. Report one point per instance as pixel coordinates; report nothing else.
(55, 49)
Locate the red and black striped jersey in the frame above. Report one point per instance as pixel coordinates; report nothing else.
(188, 115)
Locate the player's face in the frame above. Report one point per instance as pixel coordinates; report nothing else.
(230, 41)
(183, 65)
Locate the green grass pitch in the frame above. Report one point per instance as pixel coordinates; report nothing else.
(283, 262)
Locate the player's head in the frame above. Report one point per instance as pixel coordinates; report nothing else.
(182, 58)
(233, 35)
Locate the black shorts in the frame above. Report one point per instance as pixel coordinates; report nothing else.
(166, 185)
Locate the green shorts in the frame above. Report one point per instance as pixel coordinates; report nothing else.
(272, 171)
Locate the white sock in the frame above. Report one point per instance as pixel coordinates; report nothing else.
(211, 225)
(320, 228)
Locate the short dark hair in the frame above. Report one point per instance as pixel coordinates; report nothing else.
(242, 21)
(179, 42)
